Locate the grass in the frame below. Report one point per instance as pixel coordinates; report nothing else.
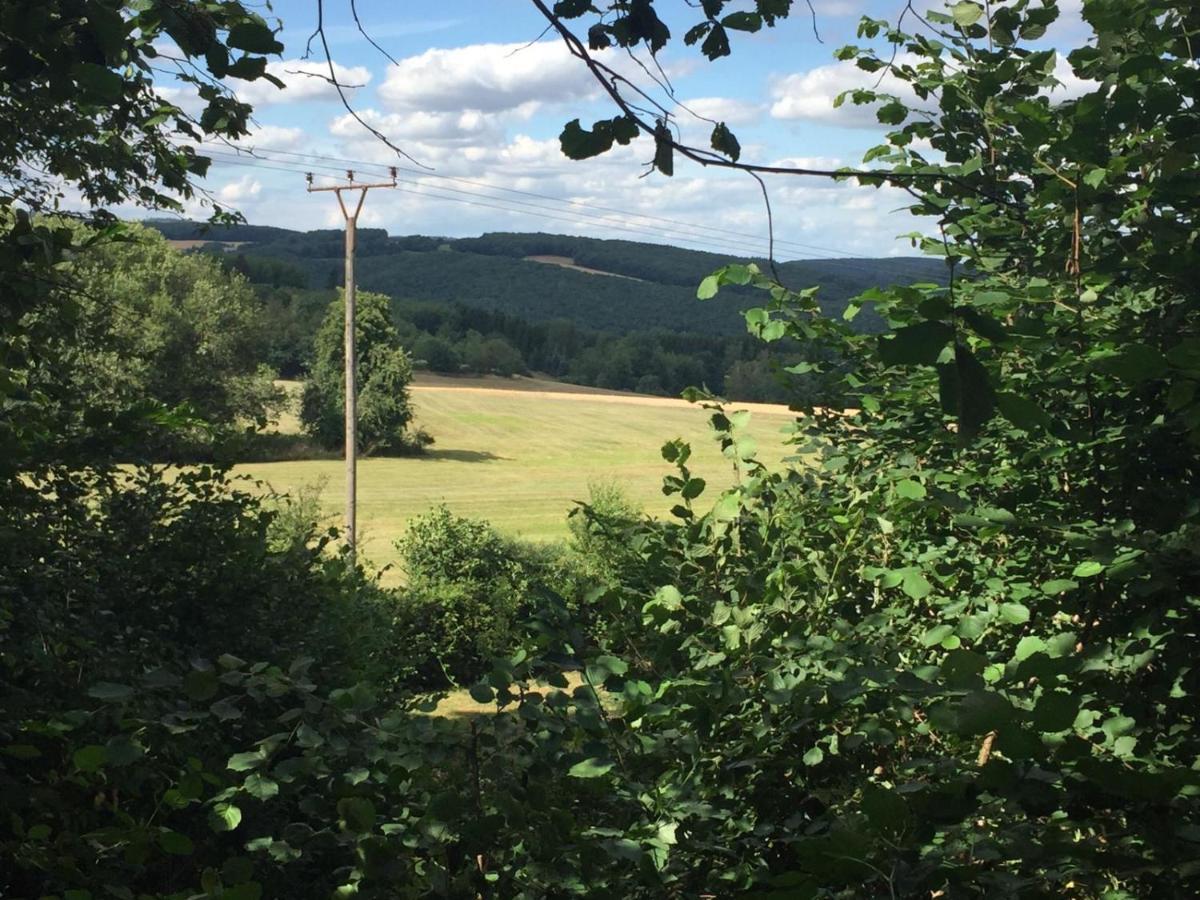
(520, 458)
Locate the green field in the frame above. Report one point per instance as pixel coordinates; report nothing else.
(519, 458)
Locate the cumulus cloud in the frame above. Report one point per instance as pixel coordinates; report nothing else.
(466, 126)
(304, 79)
(245, 188)
(725, 109)
(810, 95)
(273, 137)
(487, 77)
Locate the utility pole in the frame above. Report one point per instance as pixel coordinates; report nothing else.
(351, 359)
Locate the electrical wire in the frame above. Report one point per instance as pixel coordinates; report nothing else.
(232, 156)
(380, 167)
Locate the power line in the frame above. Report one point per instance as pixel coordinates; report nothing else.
(430, 191)
(573, 203)
(706, 243)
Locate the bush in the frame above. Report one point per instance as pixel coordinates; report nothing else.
(468, 595)
(600, 532)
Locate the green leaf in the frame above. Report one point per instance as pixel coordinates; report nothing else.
(743, 21)
(253, 37)
(1088, 569)
(247, 890)
(578, 143)
(224, 817)
(202, 685)
(261, 788)
(241, 762)
(1059, 586)
(708, 288)
(727, 508)
(966, 13)
(885, 810)
(664, 150)
(175, 843)
(724, 141)
(966, 392)
(915, 585)
(482, 693)
(983, 711)
(1134, 364)
(109, 692)
(89, 758)
(1028, 646)
(357, 814)
(910, 490)
(99, 82)
(814, 756)
(1014, 613)
(936, 634)
(919, 344)
(590, 768)
(1023, 412)
(693, 488)
(1055, 711)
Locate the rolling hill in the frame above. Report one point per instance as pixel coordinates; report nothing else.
(502, 272)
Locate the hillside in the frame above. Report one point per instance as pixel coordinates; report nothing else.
(494, 272)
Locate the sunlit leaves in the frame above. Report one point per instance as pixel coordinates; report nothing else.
(590, 768)
(224, 817)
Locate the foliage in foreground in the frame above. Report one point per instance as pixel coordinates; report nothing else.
(956, 656)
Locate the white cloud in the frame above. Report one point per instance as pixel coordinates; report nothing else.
(488, 77)
(440, 127)
(304, 79)
(729, 110)
(245, 188)
(1070, 86)
(810, 95)
(273, 137)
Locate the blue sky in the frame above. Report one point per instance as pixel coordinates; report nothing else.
(470, 101)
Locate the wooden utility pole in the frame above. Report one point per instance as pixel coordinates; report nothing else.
(351, 358)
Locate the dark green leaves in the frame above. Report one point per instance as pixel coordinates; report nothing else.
(357, 814)
(965, 391)
(724, 141)
(919, 344)
(254, 37)
(664, 150)
(743, 21)
(1133, 364)
(578, 143)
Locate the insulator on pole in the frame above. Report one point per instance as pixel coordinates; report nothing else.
(349, 174)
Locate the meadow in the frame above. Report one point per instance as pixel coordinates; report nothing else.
(520, 453)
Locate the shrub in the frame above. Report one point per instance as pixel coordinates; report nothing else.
(600, 532)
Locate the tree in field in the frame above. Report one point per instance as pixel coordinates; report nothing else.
(79, 109)
(171, 328)
(384, 371)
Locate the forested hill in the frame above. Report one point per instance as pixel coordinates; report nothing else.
(496, 271)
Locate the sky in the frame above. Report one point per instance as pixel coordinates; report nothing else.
(476, 96)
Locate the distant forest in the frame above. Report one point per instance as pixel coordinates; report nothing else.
(480, 305)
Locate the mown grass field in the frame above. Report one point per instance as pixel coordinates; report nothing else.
(518, 454)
